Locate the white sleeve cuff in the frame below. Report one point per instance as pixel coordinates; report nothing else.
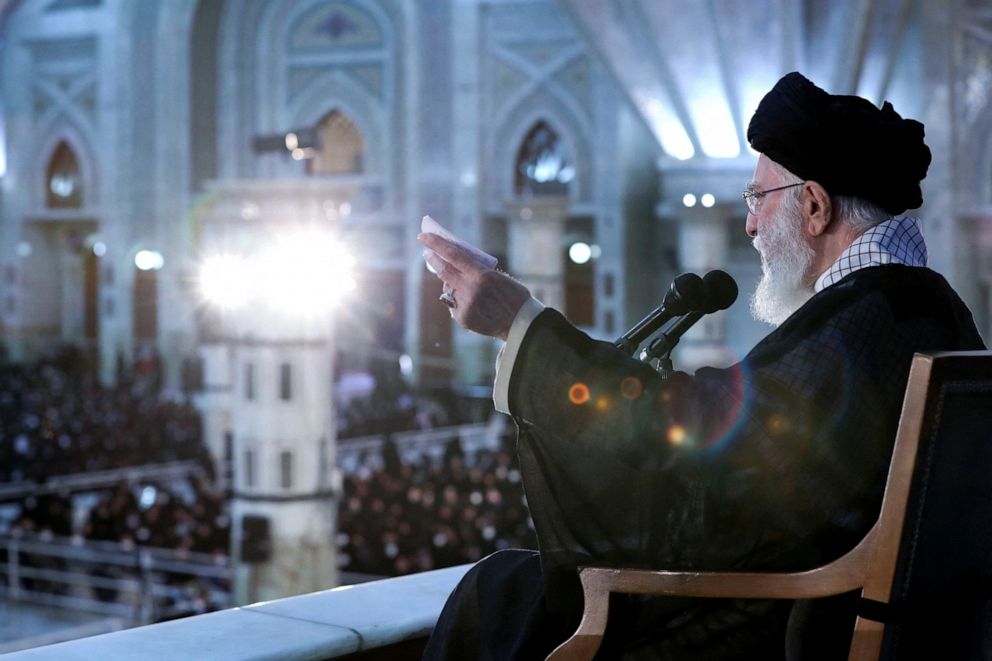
(508, 354)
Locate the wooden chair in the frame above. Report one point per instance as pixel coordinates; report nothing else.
(925, 567)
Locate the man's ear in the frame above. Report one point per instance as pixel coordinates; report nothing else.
(817, 208)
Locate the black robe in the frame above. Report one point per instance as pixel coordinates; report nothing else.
(776, 463)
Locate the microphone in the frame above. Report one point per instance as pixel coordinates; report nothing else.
(687, 293)
(721, 290)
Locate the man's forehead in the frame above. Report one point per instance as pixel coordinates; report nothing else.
(764, 173)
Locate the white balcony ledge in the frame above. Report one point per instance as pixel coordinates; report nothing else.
(311, 627)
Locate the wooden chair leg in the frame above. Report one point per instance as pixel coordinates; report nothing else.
(586, 640)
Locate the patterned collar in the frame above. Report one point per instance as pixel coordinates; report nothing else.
(896, 241)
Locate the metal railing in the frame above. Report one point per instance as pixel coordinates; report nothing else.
(75, 482)
(139, 584)
(414, 445)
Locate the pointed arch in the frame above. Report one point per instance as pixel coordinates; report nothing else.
(336, 91)
(68, 138)
(510, 135)
(63, 179)
(543, 166)
(274, 29)
(341, 146)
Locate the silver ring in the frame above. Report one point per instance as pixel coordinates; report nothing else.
(448, 298)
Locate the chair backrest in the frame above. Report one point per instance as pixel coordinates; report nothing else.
(924, 569)
(930, 578)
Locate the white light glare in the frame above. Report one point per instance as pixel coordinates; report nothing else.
(689, 200)
(99, 248)
(406, 365)
(580, 252)
(666, 125)
(717, 133)
(149, 260)
(708, 200)
(303, 274)
(148, 496)
(225, 281)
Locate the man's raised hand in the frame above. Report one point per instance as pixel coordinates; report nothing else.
(486, 300)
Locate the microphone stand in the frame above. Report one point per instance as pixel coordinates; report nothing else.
(661, 364)
(658, 354)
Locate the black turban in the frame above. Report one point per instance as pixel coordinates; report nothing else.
(845, 143)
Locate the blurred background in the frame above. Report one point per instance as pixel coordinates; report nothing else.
(225, 374)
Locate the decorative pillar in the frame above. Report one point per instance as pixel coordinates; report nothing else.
(284, 503)
(536, 238)
(474, 354)
(214, 403)
(979, 227)
(73, 310)
(703, 246)
(271, 280)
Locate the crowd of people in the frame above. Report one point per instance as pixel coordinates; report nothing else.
(158, 517)
(57, 419)
(377, 399)
(187, 516)
(407, 517)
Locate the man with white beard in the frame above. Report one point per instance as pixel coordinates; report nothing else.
(785, 256)
(775, 463)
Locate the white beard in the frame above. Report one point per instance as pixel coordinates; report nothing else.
(785, 261)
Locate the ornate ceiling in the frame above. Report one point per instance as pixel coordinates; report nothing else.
(696, 69)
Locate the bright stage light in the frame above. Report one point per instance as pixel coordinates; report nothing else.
(580, 252)
(149, 260)
(225, 281)
(305, 273)
(302, 274)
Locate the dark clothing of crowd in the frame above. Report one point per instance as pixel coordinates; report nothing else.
(57, 419)
(412, 517)
(164, 522)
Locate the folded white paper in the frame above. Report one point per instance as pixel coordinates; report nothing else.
(430, 226)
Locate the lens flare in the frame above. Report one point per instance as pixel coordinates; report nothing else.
(225, 281)
(631, 387)
(578, 394)
(304, 274)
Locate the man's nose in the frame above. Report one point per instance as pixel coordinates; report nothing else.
(751, 225)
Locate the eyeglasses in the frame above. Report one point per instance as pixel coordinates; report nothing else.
(752, 197)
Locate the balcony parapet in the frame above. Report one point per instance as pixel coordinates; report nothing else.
(312, 627)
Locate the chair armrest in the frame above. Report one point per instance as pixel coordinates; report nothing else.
(842, 575)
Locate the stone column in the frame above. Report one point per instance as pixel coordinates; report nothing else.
(282, 417)
(215, 400)
(73, 305)
(474, 354)
(979, 228)
(703, 246)
(536, 236)
(268, 379)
